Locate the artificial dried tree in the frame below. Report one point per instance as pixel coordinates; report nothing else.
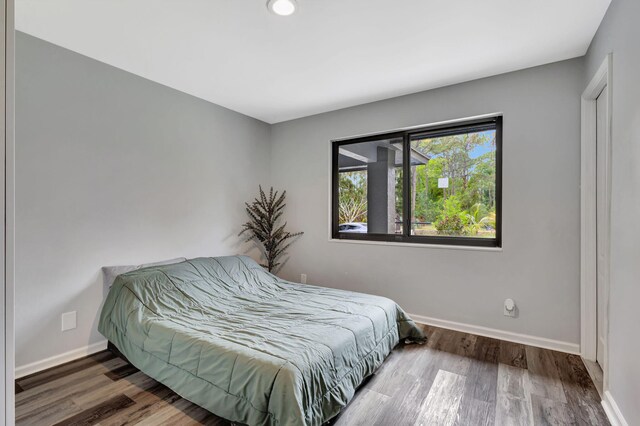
(264, 214)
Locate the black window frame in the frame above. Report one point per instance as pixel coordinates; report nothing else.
(466, 126)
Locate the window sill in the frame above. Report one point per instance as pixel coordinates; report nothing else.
(417, 245)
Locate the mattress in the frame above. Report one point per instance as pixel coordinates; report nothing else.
(247, 346)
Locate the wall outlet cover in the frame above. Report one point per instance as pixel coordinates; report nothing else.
(69, 321)
(303, 278)
(510, 308)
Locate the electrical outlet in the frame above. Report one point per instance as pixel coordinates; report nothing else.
(69, 321)
(510, 308)
(303, 278)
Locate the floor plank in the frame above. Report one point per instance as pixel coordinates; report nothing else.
(473, 412)
(457, 349)
(132, 384)
(547, 412)
(595, 372)
(480, 392)
(579, 389)
(391, 377)
(119, 373)
(56, 400)
(402, 408)
(193, 415)
(147, 403)
(513, 405)
(365, 401)
(543, 374)
(59, 387)
(443, 401)
(513, 354)
(94, 414)
(172, 415)
(48, 414)
(64, 370)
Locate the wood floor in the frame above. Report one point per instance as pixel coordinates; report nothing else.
(454, 379)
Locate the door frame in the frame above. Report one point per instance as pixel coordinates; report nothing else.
(7, 340)
(588, 248)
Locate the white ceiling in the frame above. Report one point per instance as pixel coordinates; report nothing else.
(331, 54)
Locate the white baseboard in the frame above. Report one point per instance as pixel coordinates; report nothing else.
(53, 361)
(613, 411)
(540, 342)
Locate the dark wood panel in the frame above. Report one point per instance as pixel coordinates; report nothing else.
(101, 411)
(54, 400)
(61, 387)
(63, 370)
(147, 402)
(579, 389)
(454, 379)
(513, 354)
(119, 373)
(48, 414)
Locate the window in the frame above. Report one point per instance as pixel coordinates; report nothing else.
(432, 185)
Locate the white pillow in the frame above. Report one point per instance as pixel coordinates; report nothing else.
(112, 272)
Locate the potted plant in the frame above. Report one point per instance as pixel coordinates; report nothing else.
(263, 227)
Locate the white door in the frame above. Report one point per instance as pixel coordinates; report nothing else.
(602, 220)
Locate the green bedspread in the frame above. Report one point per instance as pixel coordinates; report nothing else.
(248, 346)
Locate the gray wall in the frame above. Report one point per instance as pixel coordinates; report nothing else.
(115, 169)
(539, 266)
(619, 33)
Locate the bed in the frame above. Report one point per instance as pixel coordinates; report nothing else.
(247, 346)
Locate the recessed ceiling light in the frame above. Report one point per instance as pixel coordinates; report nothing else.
(282, 7)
